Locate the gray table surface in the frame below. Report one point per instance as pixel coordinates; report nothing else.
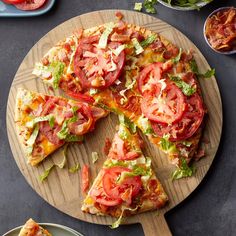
(210, 210)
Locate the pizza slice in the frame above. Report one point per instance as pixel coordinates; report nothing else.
(31, 228)
(44, 123)
(126, 184)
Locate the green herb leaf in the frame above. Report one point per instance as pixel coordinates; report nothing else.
(186, 88)
(46, 173)
(183, 171)
(75, 168)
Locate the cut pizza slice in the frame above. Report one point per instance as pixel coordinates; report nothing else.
(31, 228)
(127, 184)
(44, 123)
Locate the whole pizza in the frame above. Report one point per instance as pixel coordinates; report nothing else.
(152, 86)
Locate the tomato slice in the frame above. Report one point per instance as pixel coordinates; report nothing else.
(120, 150)
(166, 105)
(85, 178)
(115, 190)
(81, 97)
(149, 76)
(189, 123)
(100, 196)
(30, 5)
(95, 67)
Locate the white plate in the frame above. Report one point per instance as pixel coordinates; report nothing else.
(54, 229)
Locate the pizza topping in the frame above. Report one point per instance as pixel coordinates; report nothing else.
(32, 123)
(30, 142)
(148, 41)
(96, 67)
(165, 106)
(85, 178)
(104, 37)
(187, 125)
(194, 68)
(183, 170)
(187, 89)
(115, 188)
(145, 125)
(166, 145)
(138, 47)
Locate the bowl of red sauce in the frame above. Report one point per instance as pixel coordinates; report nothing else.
(220, 30)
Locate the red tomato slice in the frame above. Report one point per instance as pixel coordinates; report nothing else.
(85, 178)
(189, 123)
(119, 150)
(97, 68)
(114, 190)
(81, 97)
(30, 5)
(100, 197)
(166, 105)
(13, 1)
(149, 76)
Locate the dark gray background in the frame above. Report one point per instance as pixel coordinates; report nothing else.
(210, 210)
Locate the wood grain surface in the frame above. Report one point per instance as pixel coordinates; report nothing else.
(62, 188)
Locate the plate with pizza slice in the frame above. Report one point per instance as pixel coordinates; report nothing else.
(126, 84)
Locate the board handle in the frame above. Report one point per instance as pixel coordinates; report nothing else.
(156, 226)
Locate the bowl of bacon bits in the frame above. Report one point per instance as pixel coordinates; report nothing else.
(220, 30)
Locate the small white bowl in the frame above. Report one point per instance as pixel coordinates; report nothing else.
(204, 30)
(199, 5)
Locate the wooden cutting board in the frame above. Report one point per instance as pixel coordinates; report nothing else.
(62, 189)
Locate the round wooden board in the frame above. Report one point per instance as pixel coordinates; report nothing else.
(62, 189)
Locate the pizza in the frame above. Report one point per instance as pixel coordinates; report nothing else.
(44, 123)
(130, 70)
(31, 228)
(126, 184)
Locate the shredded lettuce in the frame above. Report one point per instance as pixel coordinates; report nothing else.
(111, 162)
(187, 89)
(138, 47)
(126, 122)
(75, 168)
(123, 132)
(194, 69)
(144, 124)
(30, 142)
(183, 171)
(166, 145)
(46, 173)
(117, 223)
(149, 40)
(57, 69)
(32, 123)
(177, 58)
(95, 157)
(104, 37)
(138, 6)
(118, 50)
